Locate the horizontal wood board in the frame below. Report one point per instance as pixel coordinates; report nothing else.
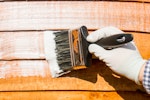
(56, 15)
(28, 76)
(29, 45)
(72, 95)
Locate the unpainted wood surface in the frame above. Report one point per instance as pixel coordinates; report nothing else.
(70, 14)
(142, 41)
(72, 95)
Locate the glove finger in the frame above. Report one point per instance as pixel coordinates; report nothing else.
(96, 35)
(99, 55)
(104, 32)
(97, 50)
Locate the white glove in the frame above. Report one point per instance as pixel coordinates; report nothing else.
(124, 60)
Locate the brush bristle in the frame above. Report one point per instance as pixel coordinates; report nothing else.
(57, 51)
(63, 50)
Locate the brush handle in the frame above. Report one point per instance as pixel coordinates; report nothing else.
(114, 41)
(109, 42)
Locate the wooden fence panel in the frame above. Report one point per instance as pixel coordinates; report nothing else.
(71, 14)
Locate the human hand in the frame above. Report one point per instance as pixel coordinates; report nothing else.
(125, 60)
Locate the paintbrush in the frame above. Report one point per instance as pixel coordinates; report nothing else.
(68, 50)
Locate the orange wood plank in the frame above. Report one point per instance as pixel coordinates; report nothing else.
(72, 95)
(133, 0)
(35, 75)
(71, 14)
(143, 43)
(29, 45)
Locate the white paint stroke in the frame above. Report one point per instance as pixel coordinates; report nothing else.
(25, 68)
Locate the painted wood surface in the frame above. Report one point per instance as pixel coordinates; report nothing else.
(21, 45)
(132, 16)
(143, 1)
(24, 72)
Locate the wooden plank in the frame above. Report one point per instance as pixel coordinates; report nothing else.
(35, 75)
(21, 45)
(65, 15)
(86, 0)
(29, 45)
(72, 95)
(137, 0)
(25, 68)
(143, 43)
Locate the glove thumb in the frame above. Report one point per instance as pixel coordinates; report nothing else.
(97, 50)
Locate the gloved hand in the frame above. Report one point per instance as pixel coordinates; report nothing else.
(124, 60)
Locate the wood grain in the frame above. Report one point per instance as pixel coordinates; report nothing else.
(57, 15)
(23, 68)
(27, 76)
(72, 95)
(87, 0)
(35, 75)
(21, 45)
(137, 0)
(143, 43)
(29, 45)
